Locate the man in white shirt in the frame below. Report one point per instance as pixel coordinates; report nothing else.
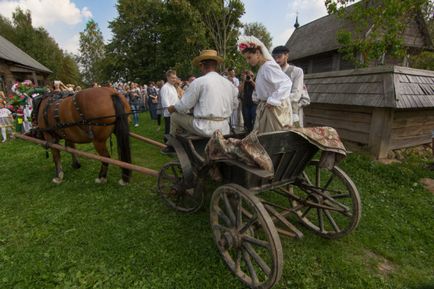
(298, 98)
(169, 96)
(212, 97)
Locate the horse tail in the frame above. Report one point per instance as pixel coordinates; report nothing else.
(122, 132)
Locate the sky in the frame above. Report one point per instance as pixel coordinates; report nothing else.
(65, 19)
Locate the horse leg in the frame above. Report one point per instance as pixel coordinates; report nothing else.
(75, 162)
(101, 149)
(58, 165)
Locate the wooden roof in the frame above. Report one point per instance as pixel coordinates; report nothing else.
(319, 36)
(382, 86)
(9, 52)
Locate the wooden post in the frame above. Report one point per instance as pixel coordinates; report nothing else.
(380, 131)
(121, 164)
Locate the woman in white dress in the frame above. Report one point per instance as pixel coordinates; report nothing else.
(273, 87)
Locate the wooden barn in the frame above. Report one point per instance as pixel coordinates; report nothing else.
(16, 65)
(380, 108)
(314, 46)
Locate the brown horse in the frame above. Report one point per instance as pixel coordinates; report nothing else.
(91, 115)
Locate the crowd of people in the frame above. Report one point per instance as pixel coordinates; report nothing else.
(271, 100)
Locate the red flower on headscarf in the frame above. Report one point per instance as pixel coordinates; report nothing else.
(243, 46)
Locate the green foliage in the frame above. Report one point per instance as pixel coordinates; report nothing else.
(259, 31)
(222, 21)
(378, 27)
(149, 37)
(37, 43)
(85, 235)
(424, 60)
(92, 51)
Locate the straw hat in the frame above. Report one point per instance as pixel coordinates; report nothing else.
(206, 55)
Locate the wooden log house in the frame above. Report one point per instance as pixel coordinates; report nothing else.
(16, 65)
(380, 108)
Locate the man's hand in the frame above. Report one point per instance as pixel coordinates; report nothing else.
(171, 109)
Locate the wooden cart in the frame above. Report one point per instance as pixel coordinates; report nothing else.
(251, 207)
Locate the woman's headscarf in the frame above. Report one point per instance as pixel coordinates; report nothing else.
(247, 41)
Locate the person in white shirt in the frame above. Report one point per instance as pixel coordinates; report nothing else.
(169, 96)
(211, 96)
(235, 117)
(272, 90)
(297, 96)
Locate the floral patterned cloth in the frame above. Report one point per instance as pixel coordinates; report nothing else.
(247, 150)
(327, 140)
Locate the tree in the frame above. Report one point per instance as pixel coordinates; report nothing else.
(378, 28)
(222, 20)
(37, 43)
(149, 37)
(259, 31)
(92, 51)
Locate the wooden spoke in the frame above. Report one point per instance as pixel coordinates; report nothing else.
(264, 267)
(306, 212)
(238, 261)
(250, 222)
(250, 245)
(175, 173)
(317, 176)
(332, 221)
(229, 209)
(220, 227)
(334, 197)
(255, 241)
(252, 271)
(330, 180)
(340, 196)
(173, 190)
(225, 218)
(239, 215)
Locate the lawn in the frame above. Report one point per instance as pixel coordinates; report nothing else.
(85, 235)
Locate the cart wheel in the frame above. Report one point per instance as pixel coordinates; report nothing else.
(246, 236)
(327, 202)
(174, 192)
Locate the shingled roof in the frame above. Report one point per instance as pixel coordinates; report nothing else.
(319, 36)
(10, 52)
(382, 86)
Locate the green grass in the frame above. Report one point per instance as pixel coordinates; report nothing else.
(83, 235)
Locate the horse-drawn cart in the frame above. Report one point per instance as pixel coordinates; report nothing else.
(251, 207)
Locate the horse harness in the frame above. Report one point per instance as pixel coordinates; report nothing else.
(56, 99)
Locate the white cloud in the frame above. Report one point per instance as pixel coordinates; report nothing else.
(307, 10)
(56, 16)
(47, 12)
(72, 44)
(86, 12)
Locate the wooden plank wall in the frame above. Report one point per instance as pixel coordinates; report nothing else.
(352, 123)
(411, 128)
(413, 36)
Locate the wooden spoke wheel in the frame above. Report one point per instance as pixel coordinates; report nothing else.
(174, 192)
(326, 201)
(246, 236)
